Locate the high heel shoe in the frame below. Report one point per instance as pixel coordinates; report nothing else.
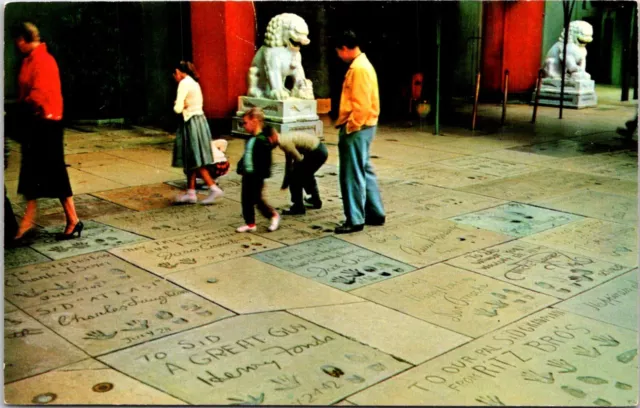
(64, 237)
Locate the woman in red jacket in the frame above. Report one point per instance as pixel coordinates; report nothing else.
(43, 172)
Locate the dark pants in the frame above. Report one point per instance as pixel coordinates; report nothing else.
(303, 175)
(252, 196)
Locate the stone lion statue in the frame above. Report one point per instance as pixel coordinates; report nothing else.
(580, 34)
(279, 58)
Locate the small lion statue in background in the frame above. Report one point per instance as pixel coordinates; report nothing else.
(279, 58)
(580, 34)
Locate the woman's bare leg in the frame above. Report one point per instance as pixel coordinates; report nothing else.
(69, 212)
(204, 173)
(192, 181)
(28, 219)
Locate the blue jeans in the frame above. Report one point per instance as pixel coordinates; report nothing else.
(360, 194)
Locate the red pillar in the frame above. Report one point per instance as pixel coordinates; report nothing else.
(512, 39)
(223, 39)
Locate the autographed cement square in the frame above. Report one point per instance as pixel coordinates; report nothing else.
(272, 358)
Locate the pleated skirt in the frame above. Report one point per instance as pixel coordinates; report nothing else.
(192, 148)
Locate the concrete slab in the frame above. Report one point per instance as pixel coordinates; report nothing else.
(603, 240)
(88, 364)
(595, 204)
(450, 203)
(565, 148)
(177, 220)
(142, 198)
(16, 257)
(247, 285)
(272, 358)
(438, 175)
(536, 186)
(606, 165)
(133, 313)
(95, 237)
(68, 278)
(568, 359)
(620, 187)
(335, 263)
(123, 172)
(30, 348)
(8, 307)
(82, 387)
(516, 219)
(291, 231)
(91, 159)
(149, 156)
(424, 241)
(488, 165)
(462, 301)
(519, 157)
(543, 269)
(406, 154)
(403, 336)
(83, 182)
(50, 212)
(188, 251)
(614, 302)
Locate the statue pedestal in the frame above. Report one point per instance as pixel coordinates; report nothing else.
(578, 94)
(290, 110)
(291, 115)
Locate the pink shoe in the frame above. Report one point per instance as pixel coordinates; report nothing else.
(188, 198)
(275, 222)
(247, 228)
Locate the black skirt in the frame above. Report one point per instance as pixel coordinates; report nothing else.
(43, 172)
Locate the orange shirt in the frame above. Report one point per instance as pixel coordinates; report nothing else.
(360, 100)
(39, 83)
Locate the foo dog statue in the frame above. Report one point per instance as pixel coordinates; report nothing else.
(580, 34)
(279, 58)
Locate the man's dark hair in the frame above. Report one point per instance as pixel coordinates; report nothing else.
(346, 38)
(26, 30)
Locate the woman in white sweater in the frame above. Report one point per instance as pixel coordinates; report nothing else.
(192, 149)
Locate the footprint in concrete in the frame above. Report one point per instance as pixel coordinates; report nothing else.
(627, 356)
(574, 392)
(623, 386)
(592, 380)
(545, 285)
(515, 292)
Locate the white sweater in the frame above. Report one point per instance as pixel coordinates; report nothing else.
(190, 94)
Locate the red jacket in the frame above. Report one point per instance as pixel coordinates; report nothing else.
(39, 83)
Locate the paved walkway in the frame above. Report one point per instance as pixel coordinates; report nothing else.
(505, 275)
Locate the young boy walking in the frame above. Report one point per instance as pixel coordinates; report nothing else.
(255, 167)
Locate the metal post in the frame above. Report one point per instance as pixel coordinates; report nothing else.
(437, 128)
(568, 10)
(626, 59)
(475, 103)
(506, 95)
(537, 98)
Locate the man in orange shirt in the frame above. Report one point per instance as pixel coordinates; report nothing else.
(357, 121)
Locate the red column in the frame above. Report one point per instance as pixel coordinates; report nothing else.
(223, 39)
(512, 39)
